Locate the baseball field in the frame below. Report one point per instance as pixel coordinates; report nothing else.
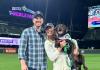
(11, 62)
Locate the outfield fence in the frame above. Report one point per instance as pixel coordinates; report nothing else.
(84, 51)
(90, 51)
(8, 50)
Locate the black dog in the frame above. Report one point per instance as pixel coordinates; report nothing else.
(79, 61)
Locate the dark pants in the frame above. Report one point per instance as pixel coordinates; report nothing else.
(29, 68)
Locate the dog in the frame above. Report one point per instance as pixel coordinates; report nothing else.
(79, 61)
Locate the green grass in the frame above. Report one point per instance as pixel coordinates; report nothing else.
(11, 62)
(50, 65)
(93, 61)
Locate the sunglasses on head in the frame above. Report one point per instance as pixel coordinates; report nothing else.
(60, 40)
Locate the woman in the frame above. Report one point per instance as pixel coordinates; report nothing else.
(55, 54)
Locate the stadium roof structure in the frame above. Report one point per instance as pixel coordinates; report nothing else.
(73, 13)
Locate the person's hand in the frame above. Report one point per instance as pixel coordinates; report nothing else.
(23, 65)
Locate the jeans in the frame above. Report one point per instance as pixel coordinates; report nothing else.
(29, 68)
(39, 68)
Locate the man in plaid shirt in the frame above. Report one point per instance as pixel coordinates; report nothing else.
(31, 50)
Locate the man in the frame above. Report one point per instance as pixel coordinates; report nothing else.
(31, 49)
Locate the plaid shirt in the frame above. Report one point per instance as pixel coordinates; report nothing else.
(31, 49)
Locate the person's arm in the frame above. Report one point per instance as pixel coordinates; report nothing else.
(52, 53)
(76, 48)
(22, 50)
